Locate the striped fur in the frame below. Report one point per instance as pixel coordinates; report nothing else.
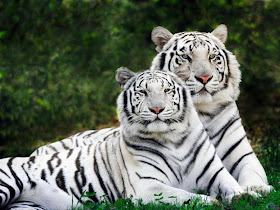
(164, 150)
(197, 54)
(21, 205)
(204, 54)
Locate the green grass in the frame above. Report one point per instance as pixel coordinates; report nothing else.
(270, 201)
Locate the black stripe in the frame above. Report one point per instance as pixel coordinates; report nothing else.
(237, 162)
(175, 47)
(90, 134)
(4, 173)
(60, 181)
(182, 116)
(170, 60)
(93, 193)
(69, 153)
(142, 161)
(53, 148)
(50, 166)
(206, 168)
(76, 196)
(213, 179)
(110, 194)
(226, 127)
(30, 161)
(107, 155)
(237, 179)
(64, 145)
(43, 175)
(33, 184)
(162, 61)
(109, 172)
(79, 134)
(79, 173)
(126, 169)
(181, 141)
(18, 181)
(232, 120)
(148, 177)
(195, 154)
(26, 204)
(125, 104)
(150, 140)
(232, 147)
(11, 191)
(208, 114)
(194, 145)
(226, 82)
(97, 172)
(153, 151)
(132, 107)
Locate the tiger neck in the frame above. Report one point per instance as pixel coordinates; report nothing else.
(210, 114)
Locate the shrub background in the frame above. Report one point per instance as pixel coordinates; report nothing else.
(58, 59)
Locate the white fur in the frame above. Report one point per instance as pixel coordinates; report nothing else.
(130, 162)
(215, 111)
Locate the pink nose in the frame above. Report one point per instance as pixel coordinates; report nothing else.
(156, 110)
(204, 79)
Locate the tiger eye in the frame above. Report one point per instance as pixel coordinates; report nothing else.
(211, 56)
(186, 57)
(143, 92)
(167, 90)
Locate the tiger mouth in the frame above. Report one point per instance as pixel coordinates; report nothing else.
(157, 119)
(202, 91)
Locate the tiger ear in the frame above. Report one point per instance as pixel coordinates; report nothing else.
(183, 72)
(160, 37)
(123, 74)
(221, 32)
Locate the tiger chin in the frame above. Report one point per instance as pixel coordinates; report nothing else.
(213, 79)
(135, 161)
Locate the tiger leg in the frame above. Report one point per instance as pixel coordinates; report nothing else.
(250, 174)
(236, 152)
(240, 160)
(168, 194)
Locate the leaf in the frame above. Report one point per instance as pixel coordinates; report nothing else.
(2, 34)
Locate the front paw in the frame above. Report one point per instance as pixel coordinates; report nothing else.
(205, 199)
(237, 197)
(263, 189)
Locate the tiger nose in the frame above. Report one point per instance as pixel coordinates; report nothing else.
(156, 110)
(204, 79)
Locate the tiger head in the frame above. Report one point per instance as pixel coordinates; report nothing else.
(214, 74)
(153, 101)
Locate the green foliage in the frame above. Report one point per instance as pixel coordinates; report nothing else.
(132, 204)
(57, 59)
(270, 201)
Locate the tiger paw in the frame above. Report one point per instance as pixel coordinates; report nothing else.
(238, 197)
(263, 189)
(210, 200)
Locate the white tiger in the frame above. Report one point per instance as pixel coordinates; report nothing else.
(162, 147)
(214, 78)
